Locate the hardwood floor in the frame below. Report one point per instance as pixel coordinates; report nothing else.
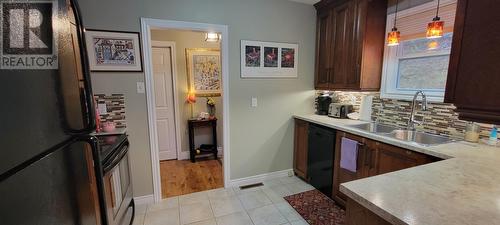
(183, 177)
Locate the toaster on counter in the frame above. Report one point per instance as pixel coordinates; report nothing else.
(339, 110)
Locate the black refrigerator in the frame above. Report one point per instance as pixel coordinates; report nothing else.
(47, 174)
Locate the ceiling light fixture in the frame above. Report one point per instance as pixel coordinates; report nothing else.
(212, 37)
(435, 28)
(394, 36)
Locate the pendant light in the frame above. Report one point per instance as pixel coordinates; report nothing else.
(394, 36)
(435, 28)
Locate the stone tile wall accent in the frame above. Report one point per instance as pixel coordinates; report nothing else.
(440, 118)
(115, 105)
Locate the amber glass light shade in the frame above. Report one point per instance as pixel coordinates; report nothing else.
(393, 37)
(191, 98)
(435, 29)
(432, 45)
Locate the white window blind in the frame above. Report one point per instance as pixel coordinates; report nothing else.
(413, 25)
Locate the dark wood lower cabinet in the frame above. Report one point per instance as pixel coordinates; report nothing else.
(341, 175)
(357, 214)
(391, 158)
(300, 148)
(374, 158)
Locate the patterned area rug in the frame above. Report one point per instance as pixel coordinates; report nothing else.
(316, 208)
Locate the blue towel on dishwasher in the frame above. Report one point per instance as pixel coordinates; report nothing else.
(348, 154)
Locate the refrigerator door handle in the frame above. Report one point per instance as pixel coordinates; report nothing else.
(88, 96)
(94, 145)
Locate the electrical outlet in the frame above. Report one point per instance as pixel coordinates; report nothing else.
(140, 88)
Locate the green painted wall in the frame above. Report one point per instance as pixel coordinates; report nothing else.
(261, 138)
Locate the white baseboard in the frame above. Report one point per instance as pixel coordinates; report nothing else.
(260, 178)
(143, 200)
(164, 155)
(183, 155)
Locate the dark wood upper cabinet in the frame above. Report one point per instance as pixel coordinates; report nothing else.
(322, 57)
(341, 46)
(474, 75)
(350, 44)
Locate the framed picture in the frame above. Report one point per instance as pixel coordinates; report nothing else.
(268, 59)
(204, 71)
(113, 50)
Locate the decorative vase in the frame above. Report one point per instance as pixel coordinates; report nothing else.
(211, 110)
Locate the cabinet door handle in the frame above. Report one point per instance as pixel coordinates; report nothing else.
(367, 158)
(363, 150)
(372, 160)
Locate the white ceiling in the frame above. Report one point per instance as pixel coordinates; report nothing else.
(310, 2)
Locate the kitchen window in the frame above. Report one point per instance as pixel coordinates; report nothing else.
(418, 63)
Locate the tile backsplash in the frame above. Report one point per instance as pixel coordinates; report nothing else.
(440, 118)
(115, 109)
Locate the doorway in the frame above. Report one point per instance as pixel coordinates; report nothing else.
(169, 91)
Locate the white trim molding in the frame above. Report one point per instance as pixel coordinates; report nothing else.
(260, 178)
(146, 25)
(144, 200)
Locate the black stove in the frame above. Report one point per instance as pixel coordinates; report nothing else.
(115, 180)
(110, 146)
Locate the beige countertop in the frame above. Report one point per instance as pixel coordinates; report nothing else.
(463, 189)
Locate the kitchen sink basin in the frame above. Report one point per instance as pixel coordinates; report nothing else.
(419, 137)
(404, 135)
(374, 127)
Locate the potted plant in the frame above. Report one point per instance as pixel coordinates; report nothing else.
(211, 107)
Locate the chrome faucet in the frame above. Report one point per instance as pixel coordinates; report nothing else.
(411, 120)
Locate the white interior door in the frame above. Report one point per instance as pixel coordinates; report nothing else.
(164, 102)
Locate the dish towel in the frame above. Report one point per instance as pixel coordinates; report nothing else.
(348, 154)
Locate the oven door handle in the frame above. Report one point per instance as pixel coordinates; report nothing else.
(119, 156)
(132, 204)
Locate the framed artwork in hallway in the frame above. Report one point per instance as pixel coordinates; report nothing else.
(204, 71)
(268, 59)
(113, 50)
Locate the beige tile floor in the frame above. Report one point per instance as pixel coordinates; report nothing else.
(255, 206)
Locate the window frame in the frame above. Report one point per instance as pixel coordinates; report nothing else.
(390, 68)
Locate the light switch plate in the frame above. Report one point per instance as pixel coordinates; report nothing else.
(140, 88)
(254, 102)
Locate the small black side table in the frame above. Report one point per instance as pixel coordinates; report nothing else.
(205, 148)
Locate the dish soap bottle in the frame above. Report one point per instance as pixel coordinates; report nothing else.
(493, 136)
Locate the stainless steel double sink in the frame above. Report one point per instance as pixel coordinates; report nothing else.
(418, 137)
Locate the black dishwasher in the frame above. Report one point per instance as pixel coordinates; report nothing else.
(321, 148)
